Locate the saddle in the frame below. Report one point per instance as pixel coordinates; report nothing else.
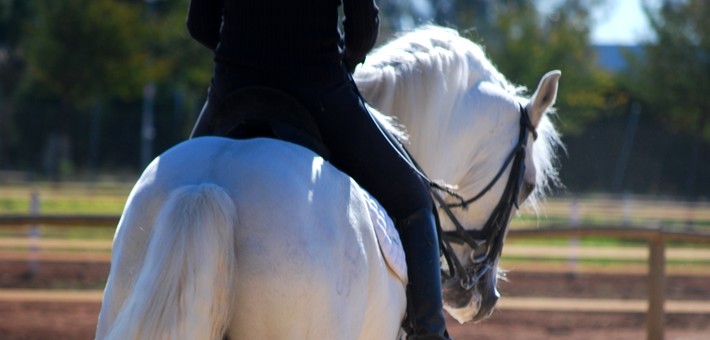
(259, 111)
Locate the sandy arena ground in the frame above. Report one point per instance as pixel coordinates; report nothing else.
(23, 319)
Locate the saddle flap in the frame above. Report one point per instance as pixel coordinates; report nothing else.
(259, 111)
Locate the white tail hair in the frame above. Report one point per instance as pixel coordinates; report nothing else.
(183, 288)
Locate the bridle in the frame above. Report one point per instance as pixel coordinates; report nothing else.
(487, 243)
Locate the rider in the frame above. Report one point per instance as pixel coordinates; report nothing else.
(295, 46)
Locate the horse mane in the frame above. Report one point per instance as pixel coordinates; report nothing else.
(422, 49)
(405, 77)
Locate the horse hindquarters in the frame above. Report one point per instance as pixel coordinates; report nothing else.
(308, 269)
(188, 270)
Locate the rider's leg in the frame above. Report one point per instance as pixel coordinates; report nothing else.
(359, 149)
(425, 318)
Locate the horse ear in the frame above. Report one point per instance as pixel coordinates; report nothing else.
(544, 96)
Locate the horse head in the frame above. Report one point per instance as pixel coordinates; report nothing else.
(473, 130)
(478, 232)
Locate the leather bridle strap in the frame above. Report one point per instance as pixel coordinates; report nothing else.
(487, 243)
(526, 126)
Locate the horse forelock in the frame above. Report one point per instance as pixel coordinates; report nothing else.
(421, 77)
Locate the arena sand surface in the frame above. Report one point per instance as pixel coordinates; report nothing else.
(535, 304)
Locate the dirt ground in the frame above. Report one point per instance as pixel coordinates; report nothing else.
(77, 320)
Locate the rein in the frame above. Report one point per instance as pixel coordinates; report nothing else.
(487, 243)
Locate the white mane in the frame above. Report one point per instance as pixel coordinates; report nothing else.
(424, 78)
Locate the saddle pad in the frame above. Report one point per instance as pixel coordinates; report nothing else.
(388, 239)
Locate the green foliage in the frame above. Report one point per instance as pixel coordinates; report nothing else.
(103, 198)
(673, 77)
(186, 62)
(83, 49)
(525, 44)
(13, 14)
(71, 69)
(73, 57)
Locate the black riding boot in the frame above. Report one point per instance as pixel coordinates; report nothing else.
(425, 315)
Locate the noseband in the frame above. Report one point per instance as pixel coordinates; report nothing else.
(487, 243)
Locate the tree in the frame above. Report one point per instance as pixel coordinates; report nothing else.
(14, 15)
(81, 51)
(181, 69)
(77, 68)
(525, 43)
(673, 75)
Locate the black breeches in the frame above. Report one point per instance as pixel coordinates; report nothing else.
(357, 146)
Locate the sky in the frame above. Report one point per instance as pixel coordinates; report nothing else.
(620, 22)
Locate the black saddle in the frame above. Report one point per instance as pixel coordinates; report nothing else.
(258, 111)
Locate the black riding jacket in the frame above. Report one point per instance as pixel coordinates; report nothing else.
(291, 38)
(295, 46)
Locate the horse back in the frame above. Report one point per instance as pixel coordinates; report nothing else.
(306, 255)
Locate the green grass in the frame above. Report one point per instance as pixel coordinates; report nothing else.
(601, 261)
(585, 241)
(69, 198)
(109, 197)
(79, 232)
(106, 198)
(69, 233)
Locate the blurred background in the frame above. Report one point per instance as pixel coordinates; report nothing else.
(93, 90)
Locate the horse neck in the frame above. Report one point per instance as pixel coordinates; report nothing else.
(427, 79)
(421, 103)
(457, 133)
(442, 129)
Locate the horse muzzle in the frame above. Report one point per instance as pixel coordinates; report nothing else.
(475, 304)
(456, 296)
(488, 303)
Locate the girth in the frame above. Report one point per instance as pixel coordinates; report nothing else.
(259, 111)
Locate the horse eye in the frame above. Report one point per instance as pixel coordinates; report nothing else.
(527, 190)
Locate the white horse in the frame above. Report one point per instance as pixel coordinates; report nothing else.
(263, 239)
(462, 117)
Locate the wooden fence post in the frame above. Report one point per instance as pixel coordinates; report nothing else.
(33, 264)
(655, 318)
(574, 221)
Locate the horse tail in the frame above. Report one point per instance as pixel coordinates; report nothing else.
(183, 288)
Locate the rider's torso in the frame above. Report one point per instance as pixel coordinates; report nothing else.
(287, 38)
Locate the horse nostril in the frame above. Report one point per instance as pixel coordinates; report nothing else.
(488, 303)
(491, 298)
